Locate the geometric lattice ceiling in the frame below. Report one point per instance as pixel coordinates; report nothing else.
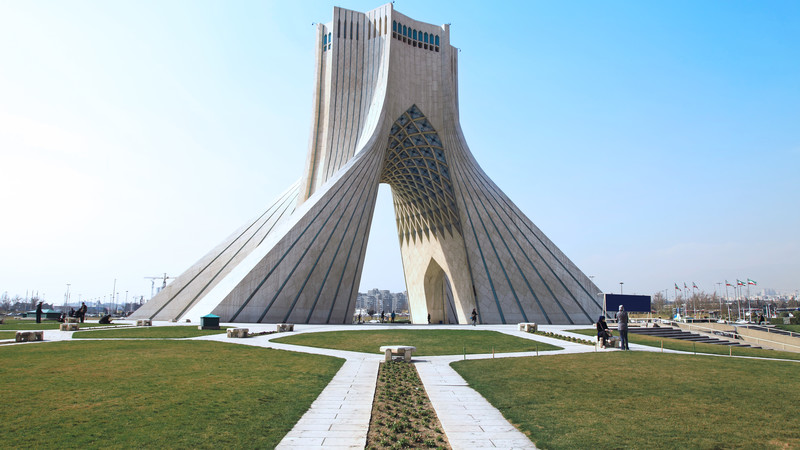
(417, 171)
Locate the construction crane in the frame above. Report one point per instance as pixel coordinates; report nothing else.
(153, 282)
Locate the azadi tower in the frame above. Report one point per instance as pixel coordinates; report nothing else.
(385, 111)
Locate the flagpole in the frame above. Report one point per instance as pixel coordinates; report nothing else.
(727, 300)
(738, 301)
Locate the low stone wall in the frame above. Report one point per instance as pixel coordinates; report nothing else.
(238, 332)
(774, 341)
(29, 336)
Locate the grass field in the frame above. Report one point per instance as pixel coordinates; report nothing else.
(22, 325)
(155, 394)
(428, 342)
(699, 347)
(8, 334)
(643, 400)
(174, 332)
(792, 328)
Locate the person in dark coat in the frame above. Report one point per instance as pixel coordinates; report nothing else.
(602, 331)
(105, 320)
(82, 312)
(39, 313)
(474, 317)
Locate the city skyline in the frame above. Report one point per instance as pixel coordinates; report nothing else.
(663, 137)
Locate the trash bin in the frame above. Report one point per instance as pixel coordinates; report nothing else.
(209, 322)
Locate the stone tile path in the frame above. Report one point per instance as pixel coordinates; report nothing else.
(339, 417)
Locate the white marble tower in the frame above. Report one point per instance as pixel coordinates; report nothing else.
(386, 111)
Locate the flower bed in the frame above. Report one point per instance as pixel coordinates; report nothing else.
(402, 415)
(564, 338)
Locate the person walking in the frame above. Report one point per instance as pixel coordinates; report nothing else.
(622, 327)
(392, 316)
(39, 313)
(474, 317)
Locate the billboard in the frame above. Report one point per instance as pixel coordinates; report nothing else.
(632, 303)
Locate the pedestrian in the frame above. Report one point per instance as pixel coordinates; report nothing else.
(429, 318)
(39, 313)
(474, 317)
(359, 318)
(622, 326)
(82, 311)
(392, 316)
(602, 331)
(383, 316)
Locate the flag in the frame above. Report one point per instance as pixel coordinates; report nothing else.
(739, 282)
(694, 285)
(685, 286)
(676, 287)
(749, 281)
(728, 284)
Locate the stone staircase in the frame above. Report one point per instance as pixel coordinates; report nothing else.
(676, 333)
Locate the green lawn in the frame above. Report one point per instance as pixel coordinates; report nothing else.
(643, 400)
(175, 332)
(792, 328)
(428, 342)
(155, 394)
(8, 334)
(16, 324)
(699, 347)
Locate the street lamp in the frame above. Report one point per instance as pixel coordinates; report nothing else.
(620, 287)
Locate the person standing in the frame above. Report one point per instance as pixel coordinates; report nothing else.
(622, 326)
(82, 311)
(392, 316)
(474, 317)
(39, 313)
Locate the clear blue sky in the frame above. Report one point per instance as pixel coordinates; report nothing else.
(653, 142)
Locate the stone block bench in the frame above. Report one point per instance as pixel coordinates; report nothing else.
(238, 332)
(71, 319)
(144, 323)
(613, 342)
(282, 327)
(405, 350)
(69, 326)
(528, 327)
(28, 336)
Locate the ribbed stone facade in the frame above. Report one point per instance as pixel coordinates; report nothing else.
(385, 111)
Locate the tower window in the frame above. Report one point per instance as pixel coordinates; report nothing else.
(394, 26)
(405, 31)
(426, 38)
(437, 40)
(415, 34)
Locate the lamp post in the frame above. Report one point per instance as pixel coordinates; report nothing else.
(620, 287)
